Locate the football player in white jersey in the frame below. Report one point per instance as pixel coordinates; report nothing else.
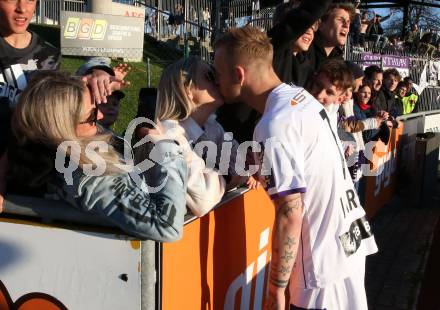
(320, 235)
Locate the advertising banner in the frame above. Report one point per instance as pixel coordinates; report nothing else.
(369, 59)
(432, 123)
(86, 34)
(380, 182)
(222, 260)
(399, 63)
(387, 62)
(46, 267)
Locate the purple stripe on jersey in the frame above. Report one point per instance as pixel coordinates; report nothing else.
(301, 190)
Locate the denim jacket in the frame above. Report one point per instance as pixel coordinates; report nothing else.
(120, 200)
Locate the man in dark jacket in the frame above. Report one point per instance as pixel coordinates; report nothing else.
(332, 34)
(385, 100)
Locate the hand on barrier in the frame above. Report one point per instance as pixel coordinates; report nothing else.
(384, 115)
(253, 183)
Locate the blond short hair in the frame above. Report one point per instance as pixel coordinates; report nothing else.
(175, 83)
(246, 44)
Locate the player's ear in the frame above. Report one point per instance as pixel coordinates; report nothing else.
(239, 74)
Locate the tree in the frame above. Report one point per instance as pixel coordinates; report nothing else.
(424, 17)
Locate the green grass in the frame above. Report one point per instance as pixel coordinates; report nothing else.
(160, 54)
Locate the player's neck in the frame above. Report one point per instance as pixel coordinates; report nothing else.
(261, 89)
(18, 40)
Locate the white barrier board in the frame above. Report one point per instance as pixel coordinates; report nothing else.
(82, 270)
(432, 124)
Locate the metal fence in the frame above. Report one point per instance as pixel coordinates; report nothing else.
(48, 11)
(191, 25)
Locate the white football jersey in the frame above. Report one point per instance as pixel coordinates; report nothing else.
(303, 154)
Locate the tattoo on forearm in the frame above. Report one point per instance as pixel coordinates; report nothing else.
(284, 270)
(288, 207)
(290, 242)
(279, 283)
(288, 256)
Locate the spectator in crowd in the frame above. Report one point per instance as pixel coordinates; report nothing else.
(412, 38)
(363, 109)
(356, 24)
(385, 100)
(186, 98)
(306, 204)
(333, 87)
(395, 45)
(375, 31)
(350, 129)
(231, 20)
(373, 78)
(292, 34)
(186, 103)
(411, 96)
(405, 98)
(56, 108)
(401, 90)
(333, 33)
(426, 46)
(21, 53)
(178, 19)
(110, 110)
(329, 85)
(206, 19)
(365, 22)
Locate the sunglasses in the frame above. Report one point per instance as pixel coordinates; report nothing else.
(93, 117)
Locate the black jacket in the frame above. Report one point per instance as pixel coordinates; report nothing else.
(290, 68)
(384, 101)
(318, 54)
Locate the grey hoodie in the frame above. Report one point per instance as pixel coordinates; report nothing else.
(119, 200)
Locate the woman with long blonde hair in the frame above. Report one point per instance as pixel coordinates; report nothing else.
(58, 111)
(187, 98)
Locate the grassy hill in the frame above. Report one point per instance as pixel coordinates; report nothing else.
(159, 53)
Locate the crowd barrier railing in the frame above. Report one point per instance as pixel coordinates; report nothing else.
(396, 160)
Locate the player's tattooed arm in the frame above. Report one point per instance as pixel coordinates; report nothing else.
(285, 237)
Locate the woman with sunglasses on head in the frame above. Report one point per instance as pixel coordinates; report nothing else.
(187, 98)
(56, 112)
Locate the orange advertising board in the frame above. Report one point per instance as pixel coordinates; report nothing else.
(222, 260)
(381, 182)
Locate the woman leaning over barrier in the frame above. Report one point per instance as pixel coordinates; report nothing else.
(58, 111)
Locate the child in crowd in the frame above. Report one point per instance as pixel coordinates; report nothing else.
(405, 98)
(186, 101)
(110, 110)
